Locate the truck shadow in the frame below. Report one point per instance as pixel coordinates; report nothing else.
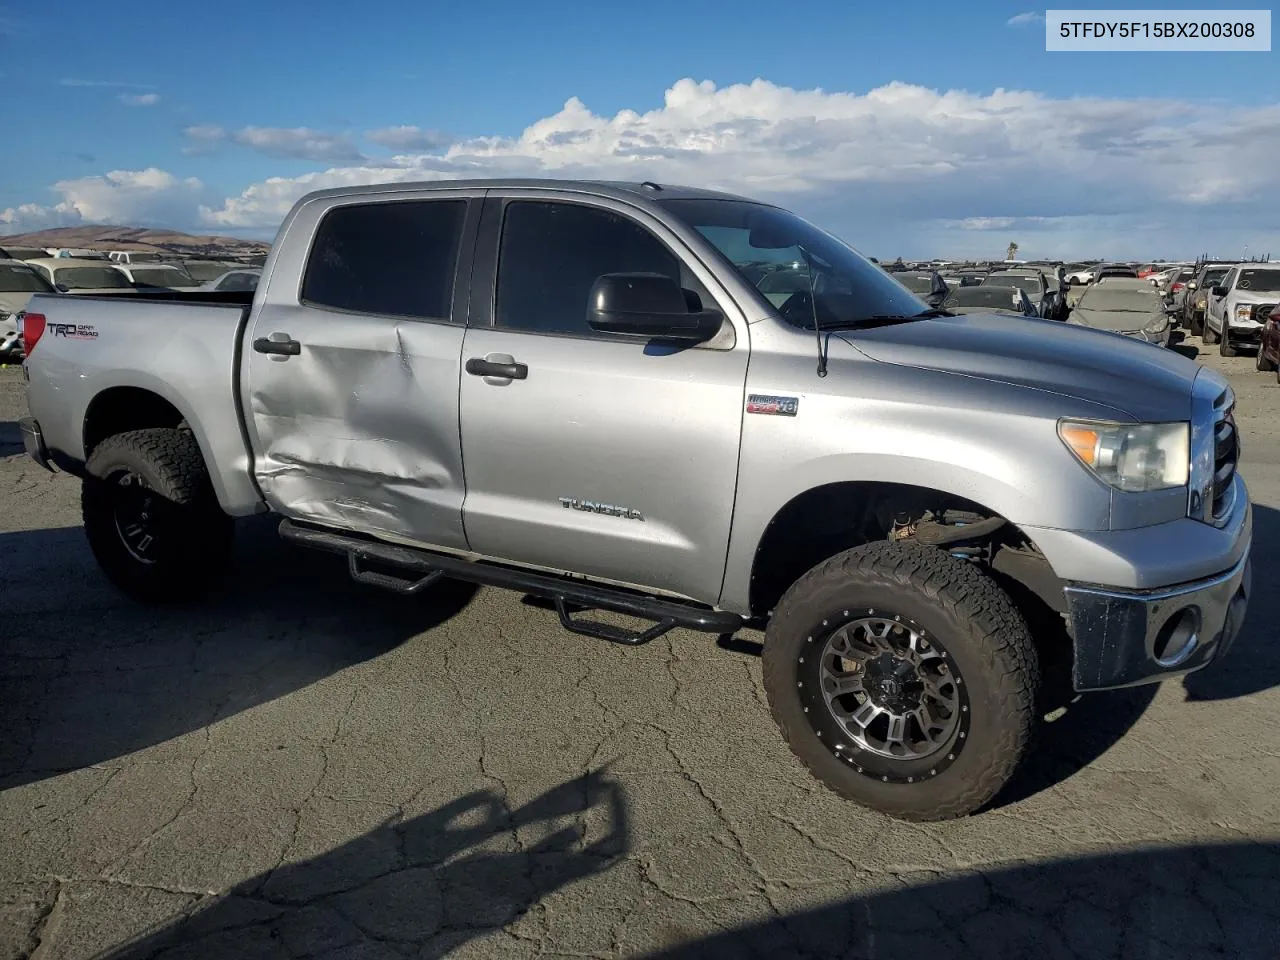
(87, 675)
(430, 883)
(1176, 903)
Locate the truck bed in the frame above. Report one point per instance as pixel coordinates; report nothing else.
(100, 355)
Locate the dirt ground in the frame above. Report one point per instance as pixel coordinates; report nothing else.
(301, 767)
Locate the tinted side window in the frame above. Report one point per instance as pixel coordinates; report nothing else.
(552, 253)
(395, 258)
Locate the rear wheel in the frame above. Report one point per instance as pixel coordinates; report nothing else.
(904, 679)
(151, 516)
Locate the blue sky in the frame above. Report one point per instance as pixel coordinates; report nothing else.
(214, 118)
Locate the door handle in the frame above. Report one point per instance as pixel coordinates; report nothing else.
(286, 347)
(506, 370)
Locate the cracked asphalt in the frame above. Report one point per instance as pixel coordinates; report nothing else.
(304, 768)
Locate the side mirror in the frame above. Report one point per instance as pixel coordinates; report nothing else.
(61, 287)
(1218, 291)
(650, 305)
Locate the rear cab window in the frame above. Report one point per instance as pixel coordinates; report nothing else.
(393, 258)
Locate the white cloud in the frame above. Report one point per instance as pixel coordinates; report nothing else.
(898, 169)
(409, 138)
(75, 82)
(140, 99)
(136, 197)
(1025, 19)
(299, 143)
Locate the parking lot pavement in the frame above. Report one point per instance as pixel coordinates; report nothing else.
(301, 767)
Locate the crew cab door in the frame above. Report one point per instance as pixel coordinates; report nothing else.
(352, 360)
(607, 456)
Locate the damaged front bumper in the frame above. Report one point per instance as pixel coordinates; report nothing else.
(1124, 638)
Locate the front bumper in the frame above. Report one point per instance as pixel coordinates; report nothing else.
(33, 442)
(1124, 638)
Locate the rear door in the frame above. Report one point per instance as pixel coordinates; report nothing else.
(351, 365)
(610, 457)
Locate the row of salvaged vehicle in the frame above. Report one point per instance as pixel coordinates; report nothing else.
(1029, 289)
(26, 272)
(1230, 303)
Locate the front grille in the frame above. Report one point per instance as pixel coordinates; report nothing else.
(1262, 310)
(1226, 452)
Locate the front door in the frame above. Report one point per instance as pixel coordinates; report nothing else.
(351, 381)
(610, 457)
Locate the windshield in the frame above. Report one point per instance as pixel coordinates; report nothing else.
(916, 283)
(1029, 284)
(1259, 281)
(771, 249)
(995, 297)
(90, 278)
(1213, 276)
(1117, 298)
(161, 277)
(16, 279)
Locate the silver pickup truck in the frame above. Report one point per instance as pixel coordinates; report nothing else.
(693, 409)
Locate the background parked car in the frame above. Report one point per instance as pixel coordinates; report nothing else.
(202, 271)
(19, 282)
(1175, 293)
(1079, 274)
(990, 299)
(1238, 304)
(1114, 270)
(1123, 309)
(23, 253)
(927, 284)
(74, 275)
(153, 276)
(1269, 344)
(235, 280)
(1194, 303)
(1044, 294)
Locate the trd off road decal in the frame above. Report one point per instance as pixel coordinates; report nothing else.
(773, 406)
(72, 331)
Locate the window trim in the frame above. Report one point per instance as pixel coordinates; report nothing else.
(484, 309)
(466, 243)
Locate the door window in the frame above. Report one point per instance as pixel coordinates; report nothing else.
(394, 258)
(552, 253)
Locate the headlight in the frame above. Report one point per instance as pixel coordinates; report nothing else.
(1200, 302)
(1244, 311)
(1135, 457)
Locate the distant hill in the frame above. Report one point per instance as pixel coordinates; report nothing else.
(135, 238)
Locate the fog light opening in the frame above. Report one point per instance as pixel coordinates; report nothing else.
(1178, 638)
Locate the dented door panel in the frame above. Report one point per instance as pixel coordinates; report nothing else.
(360, 430)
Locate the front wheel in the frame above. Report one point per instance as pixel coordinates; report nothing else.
(151, 516)
(904, 679)
(1263, 363)
(1195, 326)
(1225, 347)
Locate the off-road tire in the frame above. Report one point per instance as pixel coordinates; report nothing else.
(985, 635)
(193, 537)
(1225, 347)
(1262, 363)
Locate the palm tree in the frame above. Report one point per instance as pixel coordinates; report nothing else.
(1011, 252)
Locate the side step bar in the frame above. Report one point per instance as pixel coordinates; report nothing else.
(424, 567)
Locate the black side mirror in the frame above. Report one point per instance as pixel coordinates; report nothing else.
(61, 287)
(650, 305)
(1218, 291)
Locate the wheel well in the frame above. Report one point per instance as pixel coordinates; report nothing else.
(126, 408)
(822, 522)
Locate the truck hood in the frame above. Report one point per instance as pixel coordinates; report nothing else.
(1145, 382)
(1255, 296)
